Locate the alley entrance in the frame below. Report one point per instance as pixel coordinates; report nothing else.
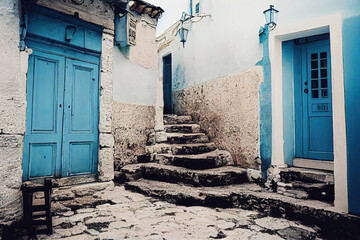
(61, 137)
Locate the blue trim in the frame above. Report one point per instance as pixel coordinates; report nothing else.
(265, 107)
(351, 48)
(50, 25)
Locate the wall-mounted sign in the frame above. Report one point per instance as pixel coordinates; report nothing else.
(125, 29)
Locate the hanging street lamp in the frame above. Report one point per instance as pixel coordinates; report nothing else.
(271, 16)
(183, 30)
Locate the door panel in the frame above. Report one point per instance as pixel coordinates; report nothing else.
(81, 157)
(44, 100)
(43, 136)
(42, 159)
(82, 88)
(317, 104)
(80, 136)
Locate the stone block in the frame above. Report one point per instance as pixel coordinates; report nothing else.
(160, 137)
(106, 140)
(106, 164)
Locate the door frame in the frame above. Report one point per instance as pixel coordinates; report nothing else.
(63, 49)
(331, 24)
(169, 55)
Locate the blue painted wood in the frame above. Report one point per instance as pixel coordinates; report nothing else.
(45, 23)
(80, 136)
(314, 128)
(62, 119)
(42, 142)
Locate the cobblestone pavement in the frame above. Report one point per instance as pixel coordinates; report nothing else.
(134, 216)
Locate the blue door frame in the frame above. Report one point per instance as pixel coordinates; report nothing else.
(62, 117)
(313, 123)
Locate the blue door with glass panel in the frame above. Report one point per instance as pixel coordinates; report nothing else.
(61, 138)
(316, 120)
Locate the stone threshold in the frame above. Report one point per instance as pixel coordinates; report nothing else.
(334, 224)
(78, 196)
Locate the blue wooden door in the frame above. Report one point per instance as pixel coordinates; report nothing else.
(317, 104)
(80, 132)
(61, 136)
(44, 121)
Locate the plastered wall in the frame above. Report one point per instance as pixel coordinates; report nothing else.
(228, 110)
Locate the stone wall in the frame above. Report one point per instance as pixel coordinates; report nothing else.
(13, 68)
(12, 113)
(133, 125)
(228, 110)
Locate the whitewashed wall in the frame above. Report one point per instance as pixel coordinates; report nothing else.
(228, 43)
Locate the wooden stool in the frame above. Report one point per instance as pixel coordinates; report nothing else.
(28, 190)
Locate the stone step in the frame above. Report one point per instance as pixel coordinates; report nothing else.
(211, 177)
(208, 160)
(180, 138)
(182, 128)
(317, 191)
(175, 119)
(306, 175)
(181, 149)
(252, 197)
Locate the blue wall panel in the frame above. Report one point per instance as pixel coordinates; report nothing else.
(265, 107)
(351, 48)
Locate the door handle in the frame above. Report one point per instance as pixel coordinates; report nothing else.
(306, 90)
(60, 105)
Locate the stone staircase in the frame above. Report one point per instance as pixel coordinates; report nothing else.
(185, 168)
(184, 155)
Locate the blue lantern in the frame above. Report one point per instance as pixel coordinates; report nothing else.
(183, 31)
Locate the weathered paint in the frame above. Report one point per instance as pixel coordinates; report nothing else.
(351, 37)
(265, 106)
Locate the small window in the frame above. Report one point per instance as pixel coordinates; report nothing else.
(197, 8)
